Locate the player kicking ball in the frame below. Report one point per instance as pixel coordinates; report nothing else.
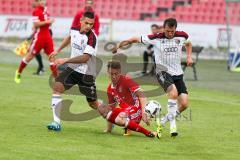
(126, 102)
(81, 68)
(167, 50)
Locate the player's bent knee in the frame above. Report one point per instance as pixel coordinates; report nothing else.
(173, 94)
(58, 88)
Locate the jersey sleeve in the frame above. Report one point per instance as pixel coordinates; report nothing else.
(149, 39)
(91, 45)
(185, 36)
(132, 85)
(188, 40)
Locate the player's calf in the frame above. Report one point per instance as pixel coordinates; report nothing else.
(182, 102)
(56, 105)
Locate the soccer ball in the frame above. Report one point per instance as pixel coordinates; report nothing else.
(153, 108)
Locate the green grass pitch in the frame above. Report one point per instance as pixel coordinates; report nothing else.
(212, 133)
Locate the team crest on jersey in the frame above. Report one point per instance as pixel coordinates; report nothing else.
(177, 41)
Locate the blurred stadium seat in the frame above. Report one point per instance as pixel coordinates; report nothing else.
(193, 11)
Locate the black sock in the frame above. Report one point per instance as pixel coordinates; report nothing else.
(40, 63)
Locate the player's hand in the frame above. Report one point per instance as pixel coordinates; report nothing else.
(60, 61)
(52, 57)
(189, 61)
(146, 118)
(107, 131)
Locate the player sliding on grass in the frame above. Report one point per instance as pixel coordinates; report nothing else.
(126, 102)
(42, 39)
(81, 68)
(167, 51)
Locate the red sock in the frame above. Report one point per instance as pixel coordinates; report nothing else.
(54, 70)
(23, 64)
(136, 127)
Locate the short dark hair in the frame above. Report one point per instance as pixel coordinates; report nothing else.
(171, 22)
(88, 15)
(154, 25)
(114, 64)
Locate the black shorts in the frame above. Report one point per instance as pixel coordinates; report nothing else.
(86, 83)
(165, 80)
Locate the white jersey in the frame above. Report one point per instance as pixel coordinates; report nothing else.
(167, 52)
(83, 43)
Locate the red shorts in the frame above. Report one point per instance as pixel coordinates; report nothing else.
(133, 113)
(41, 42)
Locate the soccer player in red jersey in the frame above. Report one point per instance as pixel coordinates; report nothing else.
(88, 8)
(127, 94)
(41, 39)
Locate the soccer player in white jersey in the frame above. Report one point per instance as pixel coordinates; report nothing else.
(81, 67)
(168, 50)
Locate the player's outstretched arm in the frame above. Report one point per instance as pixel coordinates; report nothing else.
(125, 43)
(143, 102)
(64, 43)
(188, 46)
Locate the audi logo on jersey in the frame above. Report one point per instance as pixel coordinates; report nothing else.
(171, 49)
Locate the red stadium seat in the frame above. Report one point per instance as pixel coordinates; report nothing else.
(197, 11)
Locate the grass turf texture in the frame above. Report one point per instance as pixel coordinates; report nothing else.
(212, 133)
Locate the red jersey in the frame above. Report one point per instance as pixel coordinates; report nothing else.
(79, 15)
(124, 93)
(40, 14)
